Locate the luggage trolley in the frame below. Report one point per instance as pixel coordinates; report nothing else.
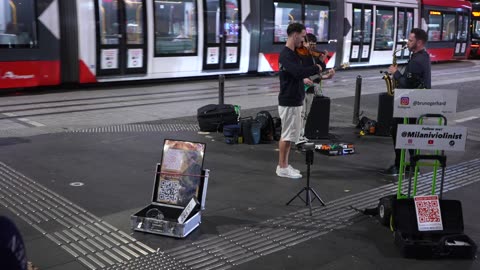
(398, 211)
(385, 204)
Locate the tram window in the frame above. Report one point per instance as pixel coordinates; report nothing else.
(384, 33)
(441, 27)
(133, 11)
(402, 29)
(109, 28)
(434, 24)
(357, 24)
(462, 27)
(175, 27)
(476, 29)
(367, 26)
(285, 13)
(449, 27)
(232, 22)
(317, 21)
(18, 24)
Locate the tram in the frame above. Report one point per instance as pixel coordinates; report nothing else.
(475, 30)
(447, 22)
(56, 42)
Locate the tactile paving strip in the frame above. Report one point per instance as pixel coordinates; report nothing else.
(86, 237)
(139, 128)
(97, 244)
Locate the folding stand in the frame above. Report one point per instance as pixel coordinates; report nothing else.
(308, 197)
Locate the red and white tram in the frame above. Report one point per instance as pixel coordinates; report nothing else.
(56, 42)
(475, 30)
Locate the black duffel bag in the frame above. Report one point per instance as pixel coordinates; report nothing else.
(213, 117)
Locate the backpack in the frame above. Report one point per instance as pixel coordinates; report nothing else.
(267, 126)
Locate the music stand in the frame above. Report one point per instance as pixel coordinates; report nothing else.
(308, 147)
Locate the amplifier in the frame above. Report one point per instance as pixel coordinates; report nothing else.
(318, 121)
(384, 115)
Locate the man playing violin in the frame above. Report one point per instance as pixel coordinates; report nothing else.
(310, 57)
(291, 96)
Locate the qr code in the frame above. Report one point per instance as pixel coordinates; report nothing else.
(168, 191)
(428, 211)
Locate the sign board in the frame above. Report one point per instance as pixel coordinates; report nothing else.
(427, 137)
(109, 59)
(135, 58)
(429, 217)
(417, 102)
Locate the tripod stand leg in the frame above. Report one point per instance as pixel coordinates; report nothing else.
(298, 195)
(308, 198)
(318, 197)
(309, 201)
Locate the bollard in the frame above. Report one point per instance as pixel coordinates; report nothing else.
(356, 106)
(221, 89)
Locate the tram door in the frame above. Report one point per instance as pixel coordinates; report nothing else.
(222, 34)
(405, 25)
(361, 33)
(462, 34)
(121, 37)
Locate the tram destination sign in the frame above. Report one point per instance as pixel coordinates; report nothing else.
(417, 102)
(427, 137)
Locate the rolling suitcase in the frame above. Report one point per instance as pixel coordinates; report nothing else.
(449, 241)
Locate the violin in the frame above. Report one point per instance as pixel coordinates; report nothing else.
(305, 52)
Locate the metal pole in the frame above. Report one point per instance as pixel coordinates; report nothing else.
(356, 106)
(221, 89)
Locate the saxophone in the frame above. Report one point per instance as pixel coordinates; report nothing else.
(389, 80)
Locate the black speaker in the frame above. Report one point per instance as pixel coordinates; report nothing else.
(318, 121)
(384, 115)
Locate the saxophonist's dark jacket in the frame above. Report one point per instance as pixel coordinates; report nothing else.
(418, 72)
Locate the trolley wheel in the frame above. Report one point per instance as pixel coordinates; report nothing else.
(385, 209)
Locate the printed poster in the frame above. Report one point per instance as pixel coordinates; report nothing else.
(429, 217)
(355, 49)
(180, 172)
(231, 55)
(135, 58)
(212, 55)
(109, 59)
(365, 51)
(399, 51)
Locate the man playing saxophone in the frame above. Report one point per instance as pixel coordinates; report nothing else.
(417, 74)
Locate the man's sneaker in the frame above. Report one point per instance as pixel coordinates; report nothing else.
(391, 171)
(293, 169)
(301, 141)
(287, 172)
